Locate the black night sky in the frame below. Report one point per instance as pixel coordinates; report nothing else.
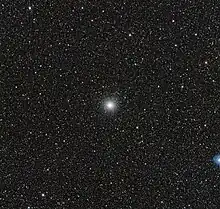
(109, 104)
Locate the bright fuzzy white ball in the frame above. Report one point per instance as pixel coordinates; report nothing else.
(110, 105)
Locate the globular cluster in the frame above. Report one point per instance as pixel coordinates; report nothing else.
(110, 104)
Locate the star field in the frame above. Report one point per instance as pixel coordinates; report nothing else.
(110, 104)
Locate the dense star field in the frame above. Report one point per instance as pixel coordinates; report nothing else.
(110, 104)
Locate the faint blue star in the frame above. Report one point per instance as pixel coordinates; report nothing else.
(216, 159)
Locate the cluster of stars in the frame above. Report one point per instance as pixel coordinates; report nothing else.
(110, 105)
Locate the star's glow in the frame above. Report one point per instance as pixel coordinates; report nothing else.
(216, 159)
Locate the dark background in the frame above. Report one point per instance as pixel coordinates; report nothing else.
(61, 59)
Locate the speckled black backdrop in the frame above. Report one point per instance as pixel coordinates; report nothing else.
(61, 59)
